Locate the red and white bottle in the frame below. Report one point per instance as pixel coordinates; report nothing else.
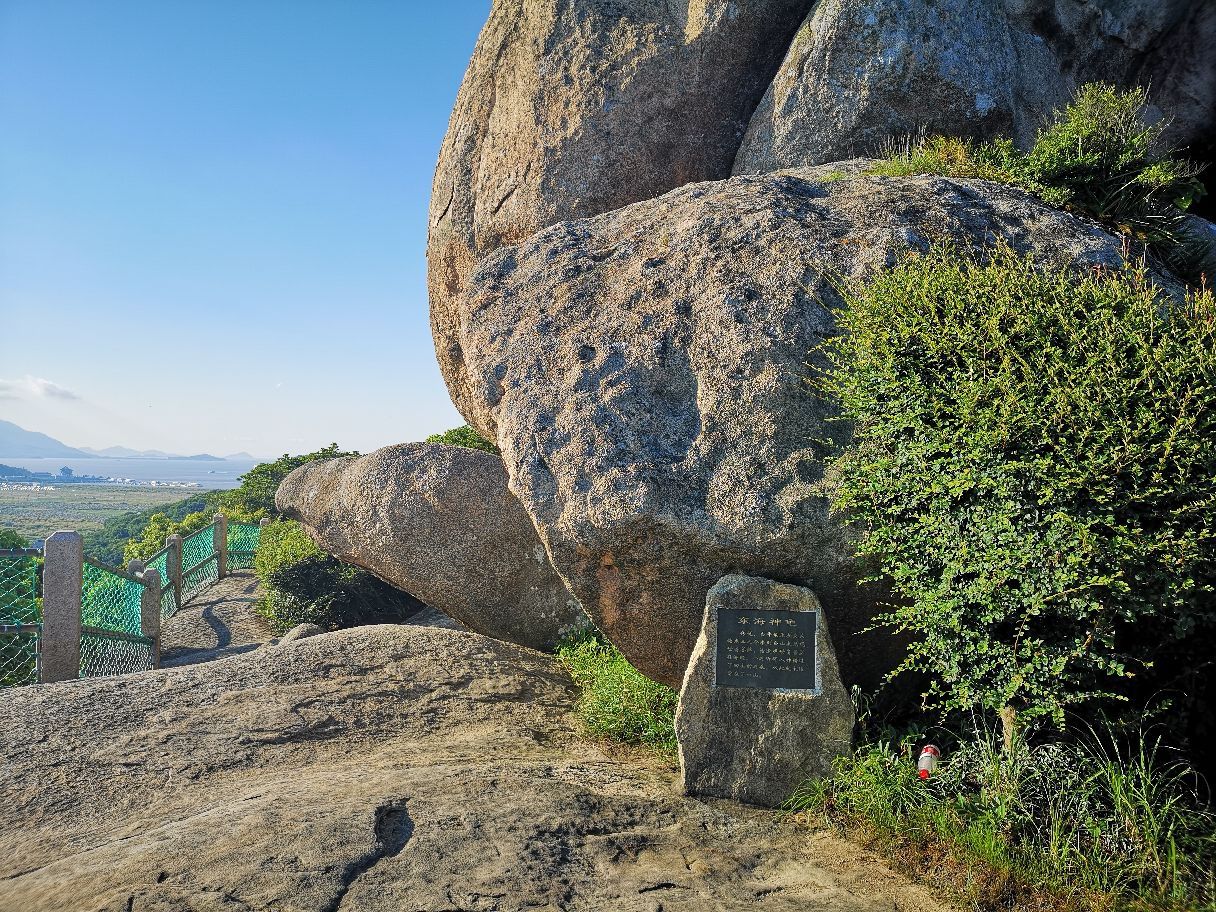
(928, 761)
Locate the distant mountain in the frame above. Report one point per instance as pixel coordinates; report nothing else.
(18, 442)
(121, 452)
(125, 452)
(241, 455)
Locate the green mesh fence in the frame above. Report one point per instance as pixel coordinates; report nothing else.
(242, 544)
(20, 618)
(109, 601)
(104, 653)
(200, 563)
(168, 596)
(111, 641)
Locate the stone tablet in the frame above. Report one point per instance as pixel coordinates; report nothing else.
(769, 649)
(762, 707)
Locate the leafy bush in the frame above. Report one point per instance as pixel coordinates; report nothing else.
(617, 701)
(1033, 470)
(1093, 824)
(10, 540)
(109, 544)
(304, 585)
(463, 436)
(255, 496)
(1098, 156)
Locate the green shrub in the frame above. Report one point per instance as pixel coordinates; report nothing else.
(160, 526)
(108, 544)
(1098, 156)
(255, 496)
(304, 585)
(616, 700)
(10, 540)
(1033, 471)
(463, 436)
(1094, 823)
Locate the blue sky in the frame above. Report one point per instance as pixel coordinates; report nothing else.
(213, 219)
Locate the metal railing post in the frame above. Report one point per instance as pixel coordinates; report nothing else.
(221, 546)
(62, 586)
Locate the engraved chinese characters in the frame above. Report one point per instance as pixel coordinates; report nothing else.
(762, 707)
(774, 649)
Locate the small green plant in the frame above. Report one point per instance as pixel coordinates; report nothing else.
(617, 701)
(304, 585)
(950, 156)
(463, 436)
(1098, 156)
(1033, 471)
(1090, 824)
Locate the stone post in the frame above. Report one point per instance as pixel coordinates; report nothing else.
(62, 582)
(149, 611)
(221, 545)
(173, 565)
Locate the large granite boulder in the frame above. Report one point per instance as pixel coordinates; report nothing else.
(648, 373)
(862, 72)
(377, 769)
(438, 522)
(570, 109)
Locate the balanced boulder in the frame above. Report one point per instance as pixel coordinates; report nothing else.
(438, 522)
(861, 73)
(572, 109)
(648, 373)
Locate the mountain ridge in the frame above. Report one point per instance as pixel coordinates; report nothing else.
(18, 443)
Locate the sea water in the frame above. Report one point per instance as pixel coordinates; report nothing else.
(224, 473)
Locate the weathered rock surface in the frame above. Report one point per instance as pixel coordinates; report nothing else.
(378, 768)
(438, 522)
(860, 72)
(572, 109)
(647, 370)
(752, 744)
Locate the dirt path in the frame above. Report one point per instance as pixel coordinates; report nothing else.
(218, 622)
(221, 622)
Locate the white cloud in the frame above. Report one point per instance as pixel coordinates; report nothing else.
(31, 387)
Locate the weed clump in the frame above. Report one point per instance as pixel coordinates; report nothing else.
(1097, 823)
(616, 700)
(1099, 156)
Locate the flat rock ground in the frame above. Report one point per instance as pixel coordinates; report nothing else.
(377, 768)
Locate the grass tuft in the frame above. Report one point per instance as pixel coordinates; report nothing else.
(618, 702)
(1099, 156)
(1091, 824)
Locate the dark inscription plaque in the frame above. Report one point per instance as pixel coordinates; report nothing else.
(770, 650)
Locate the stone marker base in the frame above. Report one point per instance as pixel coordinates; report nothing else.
(744, 732)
